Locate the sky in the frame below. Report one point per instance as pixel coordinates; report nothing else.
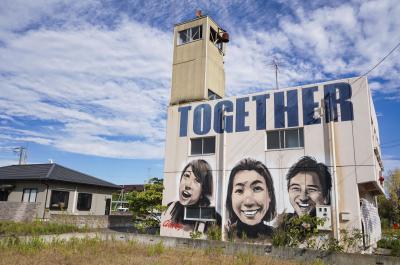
(86, 83)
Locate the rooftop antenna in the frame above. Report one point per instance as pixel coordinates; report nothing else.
(22, 153)
(275, 64)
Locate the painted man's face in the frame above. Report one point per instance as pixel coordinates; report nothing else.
(189, 188)
(305, 192)
(250, 197)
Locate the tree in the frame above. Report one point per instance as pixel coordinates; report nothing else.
(389, 206)
(147, 205)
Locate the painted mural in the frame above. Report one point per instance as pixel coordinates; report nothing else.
(194, 193)
(309, 184)
(250, 201)
(268, 159)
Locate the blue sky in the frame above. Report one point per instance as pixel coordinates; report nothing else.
(86, 83)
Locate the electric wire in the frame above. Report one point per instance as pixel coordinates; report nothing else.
(377, 64)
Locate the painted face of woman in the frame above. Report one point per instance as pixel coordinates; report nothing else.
(189, 188)
(250, 197)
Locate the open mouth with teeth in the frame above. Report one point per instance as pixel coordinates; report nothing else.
(250, 213)
(303, 205)
(186, 194)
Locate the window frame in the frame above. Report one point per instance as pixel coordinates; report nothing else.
(202, 146)
(29, 194)
(200, 219)
(79, 206)
(189, 33)
(214, 38)
(58, 208)
(282, 139)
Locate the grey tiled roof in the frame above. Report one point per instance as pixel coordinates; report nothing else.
(54, 172)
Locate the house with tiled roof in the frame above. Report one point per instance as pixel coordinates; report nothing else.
(40, 190)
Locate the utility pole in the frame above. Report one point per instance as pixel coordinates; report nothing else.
(222, 201)
(335, 201)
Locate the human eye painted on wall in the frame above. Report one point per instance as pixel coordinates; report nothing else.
(309, 185)
(250, 201)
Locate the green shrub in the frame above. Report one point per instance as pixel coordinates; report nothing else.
(296, 230)
(195, 235)
(390, 243)
(214, 232)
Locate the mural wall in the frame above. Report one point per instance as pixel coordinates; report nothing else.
(253, 182)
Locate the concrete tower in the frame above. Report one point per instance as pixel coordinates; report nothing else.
(198, 63)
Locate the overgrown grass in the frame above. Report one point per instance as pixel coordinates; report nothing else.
(36, 228)
(95, 251)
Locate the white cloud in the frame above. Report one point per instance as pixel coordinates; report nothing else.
(93, 82)
(103, 89)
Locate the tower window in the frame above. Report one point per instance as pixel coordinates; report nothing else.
(190, 34)
(214, 38)
(212, 95)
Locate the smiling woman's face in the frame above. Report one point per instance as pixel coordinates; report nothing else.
(250, 197)
(189, 188)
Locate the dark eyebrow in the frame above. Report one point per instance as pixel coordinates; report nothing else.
(256, 182)
(313, 186)
(294, 184)
(239, 184)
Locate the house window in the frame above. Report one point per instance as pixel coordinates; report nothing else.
(199, 213)
(201, 146)
(84, 201)
(288, 138)
(59, 200)
(29, 195)
(190, 34)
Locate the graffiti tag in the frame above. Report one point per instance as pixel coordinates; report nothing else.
(170, 224)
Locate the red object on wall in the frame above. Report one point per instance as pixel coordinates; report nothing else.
(395, 226)
(225, 37)
(381, 179)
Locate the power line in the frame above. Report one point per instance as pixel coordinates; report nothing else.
(376, 65)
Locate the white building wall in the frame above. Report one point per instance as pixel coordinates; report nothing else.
(355, 159)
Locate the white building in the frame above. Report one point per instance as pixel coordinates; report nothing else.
(326, 126)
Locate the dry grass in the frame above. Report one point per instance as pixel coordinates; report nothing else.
(8, 228)
(92, 251)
